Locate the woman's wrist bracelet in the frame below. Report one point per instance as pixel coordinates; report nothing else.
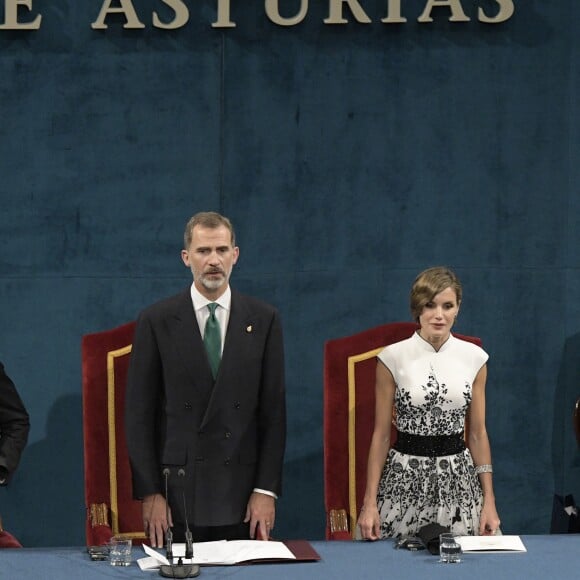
(486, 468)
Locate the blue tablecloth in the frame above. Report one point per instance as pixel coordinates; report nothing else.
(548, 557)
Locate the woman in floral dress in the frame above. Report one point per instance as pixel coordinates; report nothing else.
(433, 380)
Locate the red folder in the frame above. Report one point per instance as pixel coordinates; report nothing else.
(301, 549)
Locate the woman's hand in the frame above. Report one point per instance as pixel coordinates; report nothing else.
(369, 522)
(488, 520)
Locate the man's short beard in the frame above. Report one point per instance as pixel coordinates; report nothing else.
(213, 284)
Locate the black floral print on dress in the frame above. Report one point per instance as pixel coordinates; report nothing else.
(413, 490)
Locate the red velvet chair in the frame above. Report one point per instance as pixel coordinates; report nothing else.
(349, 414)
(7, 540)
(110, 507)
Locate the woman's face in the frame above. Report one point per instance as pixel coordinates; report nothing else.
(439, 315)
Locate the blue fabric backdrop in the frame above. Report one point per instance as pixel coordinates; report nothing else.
(349, 158)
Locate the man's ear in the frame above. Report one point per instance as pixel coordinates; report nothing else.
(185, 257)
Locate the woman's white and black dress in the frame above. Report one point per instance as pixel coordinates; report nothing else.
(429, 475)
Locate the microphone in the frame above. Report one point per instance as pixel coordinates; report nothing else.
(180, 570)
(169, 532)
(188, 536)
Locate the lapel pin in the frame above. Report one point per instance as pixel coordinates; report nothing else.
(249, 328)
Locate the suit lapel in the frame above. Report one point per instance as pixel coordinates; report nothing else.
(189, 343)
(239, 321)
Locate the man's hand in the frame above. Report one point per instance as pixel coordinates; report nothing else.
(155, 519)
(261, 513)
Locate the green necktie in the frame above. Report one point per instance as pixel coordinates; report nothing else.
(212, 338)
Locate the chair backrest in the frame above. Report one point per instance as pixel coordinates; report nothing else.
(349, 412)
(7, 540)
(111, 509)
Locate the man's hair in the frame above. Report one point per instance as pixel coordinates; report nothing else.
(207, 219)
(428, 284)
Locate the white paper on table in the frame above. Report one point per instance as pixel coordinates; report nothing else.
(491, 544)
(154, 560)
(148, 563)
(222, 553)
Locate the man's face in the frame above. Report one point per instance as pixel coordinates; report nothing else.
(211, 258)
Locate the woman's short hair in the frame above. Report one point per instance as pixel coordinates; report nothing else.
(428, 284)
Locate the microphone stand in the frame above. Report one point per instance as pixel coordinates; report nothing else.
(188, 536)
(180, 570)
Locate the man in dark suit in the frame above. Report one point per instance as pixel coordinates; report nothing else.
(14, 427)
(209, 425)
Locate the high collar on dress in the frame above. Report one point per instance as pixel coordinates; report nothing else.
(428, 347)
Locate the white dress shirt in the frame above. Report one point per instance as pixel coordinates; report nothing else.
(222, 312)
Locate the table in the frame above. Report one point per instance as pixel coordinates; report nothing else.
(552, 557)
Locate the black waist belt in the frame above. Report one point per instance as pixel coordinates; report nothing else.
(429, 445)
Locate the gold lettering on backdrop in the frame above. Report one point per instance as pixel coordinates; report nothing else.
(506, 10)
(11, 16)
(335, 12)
(126, 8)
(457, 14)
(273, 12)
(223, 15)
(394, 13)
(181, 15)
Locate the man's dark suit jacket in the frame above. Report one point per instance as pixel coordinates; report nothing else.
(14, 426)
(218, 441)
